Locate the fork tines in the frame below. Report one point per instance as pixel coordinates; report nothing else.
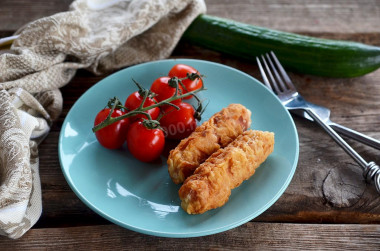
(281, 82)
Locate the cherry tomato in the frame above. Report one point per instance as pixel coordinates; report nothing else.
(180, 71)
(134, 100)
(112, 136)
(178, 124)
(145, 144)
(163, 90)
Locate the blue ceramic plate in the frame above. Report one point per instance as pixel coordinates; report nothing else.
(141, 196)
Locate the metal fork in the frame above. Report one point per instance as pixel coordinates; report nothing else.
(281, 85)
(324, 114)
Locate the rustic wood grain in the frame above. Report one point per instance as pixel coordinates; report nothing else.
(15, 14)
(339, 16)
(304, 200)
(255, 236)
(67, 203)
(309, 198)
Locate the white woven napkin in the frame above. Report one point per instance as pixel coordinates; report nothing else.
(99, 35)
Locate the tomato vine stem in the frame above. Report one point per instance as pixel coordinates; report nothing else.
(142, 110)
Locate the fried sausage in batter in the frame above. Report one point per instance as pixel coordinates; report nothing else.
(211, 184)
(220, 130)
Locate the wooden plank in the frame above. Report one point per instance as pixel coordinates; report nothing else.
(354, 102)
(251, 235)
(14, 14)
(343, 16)
(304, 200)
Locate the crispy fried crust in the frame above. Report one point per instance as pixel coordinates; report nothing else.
(211, 184)
(220, 130)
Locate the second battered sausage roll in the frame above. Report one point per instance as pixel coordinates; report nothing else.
(220, 130)
(211, 184)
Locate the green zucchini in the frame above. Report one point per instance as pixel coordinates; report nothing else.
(304, 54)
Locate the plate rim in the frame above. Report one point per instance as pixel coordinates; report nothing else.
(164, 233)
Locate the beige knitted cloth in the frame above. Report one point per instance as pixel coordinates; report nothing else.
(99, 35)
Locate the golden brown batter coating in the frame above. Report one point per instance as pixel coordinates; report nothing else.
(211, 184)
(220, 130)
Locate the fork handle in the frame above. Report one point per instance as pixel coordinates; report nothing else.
(371, 171)
(356, 135)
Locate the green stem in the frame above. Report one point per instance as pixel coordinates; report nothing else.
(142, 110)
(146, 94)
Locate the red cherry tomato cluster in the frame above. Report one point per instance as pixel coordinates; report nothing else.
(145, 136)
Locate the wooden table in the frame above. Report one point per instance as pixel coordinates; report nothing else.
(309, 214)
